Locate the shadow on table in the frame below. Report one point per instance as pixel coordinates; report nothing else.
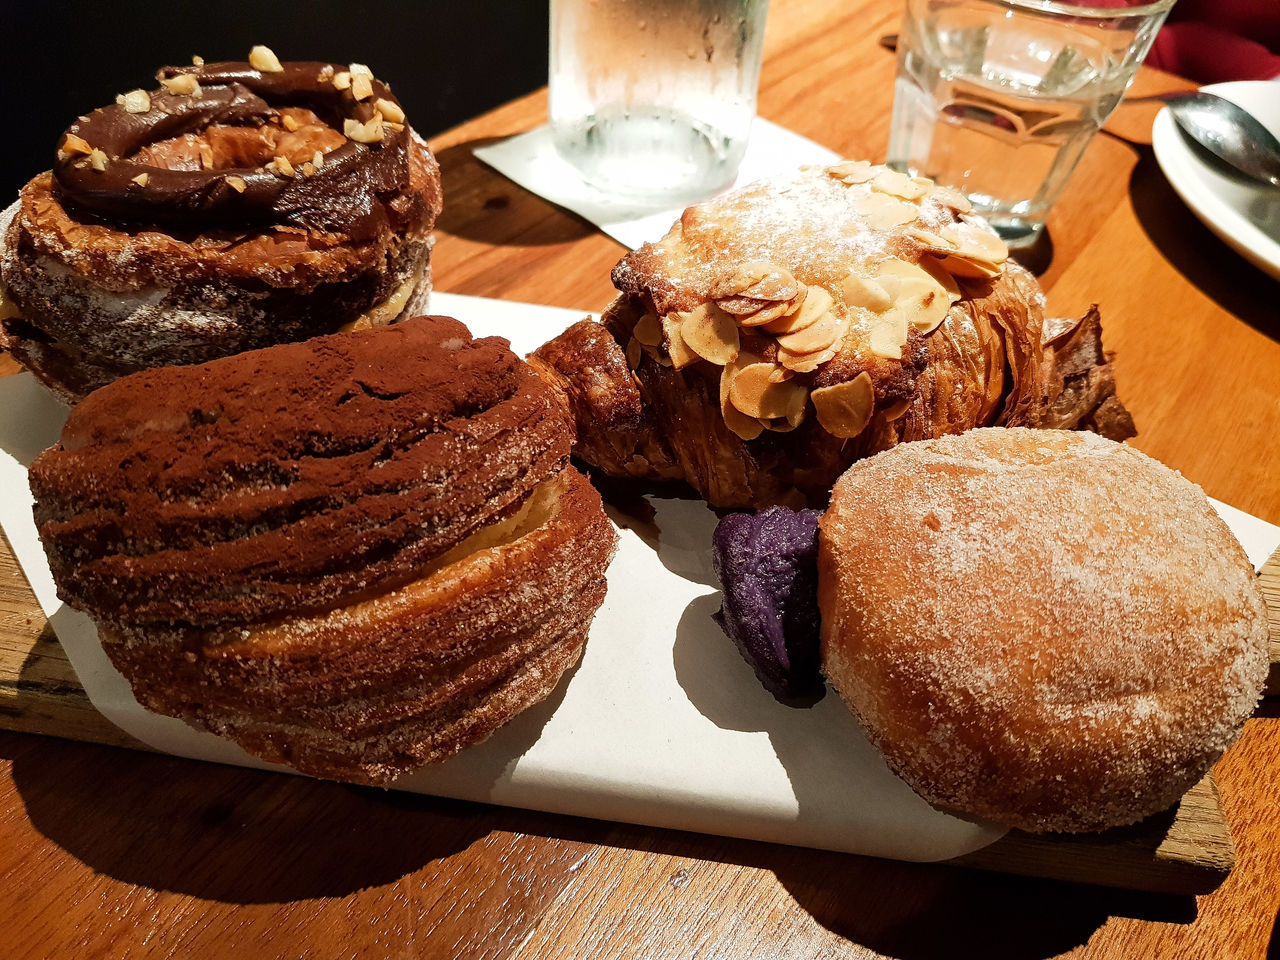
(480, 204)
(240, 835)
(1218, 271)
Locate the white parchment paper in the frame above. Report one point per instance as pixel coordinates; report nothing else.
(662, 723)
(530, 159)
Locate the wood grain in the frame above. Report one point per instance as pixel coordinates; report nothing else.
(107, 852)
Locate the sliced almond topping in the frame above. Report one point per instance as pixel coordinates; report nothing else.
(865, 292)
(888, 337)
(844, 409)
(141, 179)
(264, 60)
(742, 426)
(898, 185)
(806, 362)
(98, 160)
(967, 267)
(634, 350)
(710, 333)
(817, 302)
(135, 101)
(973, 242)
(236, 184)
(361, 86)
(953, 198)
(754, 392)
(370, 132)
(290, 124)
(785, 424)
(184, 84)
(884, 212)
(389, 109)
(920, 298)
(756, 313)
(677, 349)
(853, 171)
(648, 330)
(342, 80)
(73, 146)
(896, 410)
(820, 335)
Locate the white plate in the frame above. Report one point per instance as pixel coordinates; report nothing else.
(1245, 216)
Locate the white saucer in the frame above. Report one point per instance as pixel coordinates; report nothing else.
(1245, 216)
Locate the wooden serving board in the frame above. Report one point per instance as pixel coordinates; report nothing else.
(1187, 850)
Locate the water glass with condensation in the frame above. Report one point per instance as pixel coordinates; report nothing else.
(1001, 97)
(652, 100)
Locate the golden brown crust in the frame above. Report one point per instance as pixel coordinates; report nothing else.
(1041, 628)
(356, 554)
(410, 677)
(926, 342)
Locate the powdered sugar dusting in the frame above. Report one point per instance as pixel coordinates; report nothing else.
(1056, 605)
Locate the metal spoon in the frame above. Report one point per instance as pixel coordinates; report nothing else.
(1226, 130)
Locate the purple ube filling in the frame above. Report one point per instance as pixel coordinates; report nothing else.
(767, 564)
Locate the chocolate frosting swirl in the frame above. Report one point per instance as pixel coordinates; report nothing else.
(346, 194)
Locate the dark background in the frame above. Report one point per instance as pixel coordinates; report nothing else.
(446, 60)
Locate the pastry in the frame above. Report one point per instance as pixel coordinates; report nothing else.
(235, 206)
(1041, 628)
(784, 330)
(353, 555)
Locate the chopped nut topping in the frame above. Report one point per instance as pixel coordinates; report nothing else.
(389, 109)
(98, 160)
(197, 61)
(308, 168)
(361, 86)
(844, 409)
(318, 159)
(360, 70)
(263, 59)
(135, 101)
(342, 80)
(282, 166)
(236, 184)
(206, 156)
(141, 179)
(290, 124)
(184, 84)
(73, 145)
(326, 73)
(370, 132)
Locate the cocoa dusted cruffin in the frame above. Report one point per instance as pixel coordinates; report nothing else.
(354, 555)
(235, 206)
(782, 331)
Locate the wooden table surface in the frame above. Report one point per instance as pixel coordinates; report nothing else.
(106, 852)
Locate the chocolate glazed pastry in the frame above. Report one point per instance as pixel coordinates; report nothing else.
(354, 555)
(782, 331)
(236, 206)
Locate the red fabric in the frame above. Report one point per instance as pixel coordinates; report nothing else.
(1210, 41)
(1211, 54)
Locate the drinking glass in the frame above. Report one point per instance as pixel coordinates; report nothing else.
(653, 99)
(1001, 97)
